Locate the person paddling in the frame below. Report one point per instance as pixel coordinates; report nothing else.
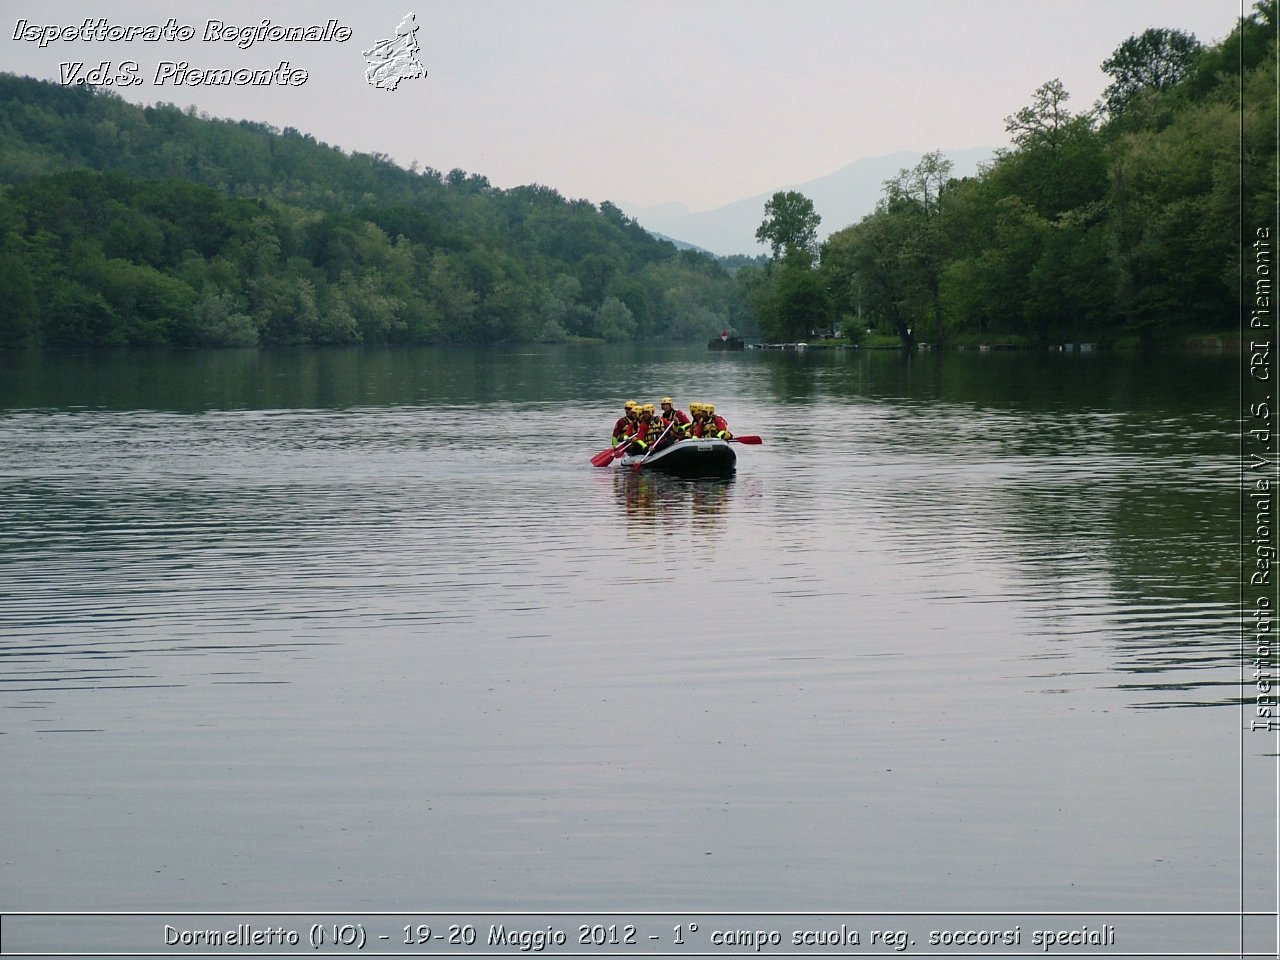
(626, 425)
(695, 420)
(719, 428)
(706, 424)
(640, 433)
(677, 420)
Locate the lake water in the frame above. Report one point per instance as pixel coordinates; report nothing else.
(364, 630)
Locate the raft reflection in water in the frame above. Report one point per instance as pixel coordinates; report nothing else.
(660, 499)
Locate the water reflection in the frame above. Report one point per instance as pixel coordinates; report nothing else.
(136, 585)
(1099, 489)
(1117, 531)
(387, 595)
(1142, 535)
(661, 501)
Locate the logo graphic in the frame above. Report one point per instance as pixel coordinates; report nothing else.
(391, 61)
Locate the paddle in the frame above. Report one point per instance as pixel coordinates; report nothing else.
(606, 457)
(640, 463)
(750, 439)
(603, 458)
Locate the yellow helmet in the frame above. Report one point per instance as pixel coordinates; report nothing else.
(649, 408)
(709, 408)
(630, 405)
(666, 400)
(694, 408)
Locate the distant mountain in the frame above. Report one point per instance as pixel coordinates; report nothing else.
(679, 244)
(840, 198)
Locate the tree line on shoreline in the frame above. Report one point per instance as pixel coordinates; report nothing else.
(129, 226)
(1122, 222)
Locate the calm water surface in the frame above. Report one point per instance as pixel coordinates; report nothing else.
(336, 630)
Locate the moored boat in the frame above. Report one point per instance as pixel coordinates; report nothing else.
(688, 458)
(726, 341)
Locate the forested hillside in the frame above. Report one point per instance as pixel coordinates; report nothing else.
(1118, 221)
(123, 225)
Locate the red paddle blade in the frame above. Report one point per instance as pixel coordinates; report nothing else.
(750, 440)
(604, 457)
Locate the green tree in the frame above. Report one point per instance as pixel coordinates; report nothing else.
(790, 225)
(1061, 160)
(216, 322)
(616, 322)
(1154, 60)
(802, 306)
(1173, 209)
(19, 307)
(914, 197)
(79, 317)
(872, 249)
(837, 269)
(1045, 120)
(987, 286)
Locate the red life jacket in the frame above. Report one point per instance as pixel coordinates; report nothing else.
(639, 434)
(710, 428)
(678, 421)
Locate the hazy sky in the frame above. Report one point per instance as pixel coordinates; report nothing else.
(700, 102)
